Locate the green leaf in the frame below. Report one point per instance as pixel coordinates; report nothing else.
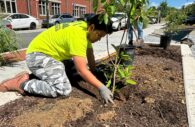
(111, 10)
(101, 18)
(130, 82)
(105, 75)
(114, 47)
(121, 73)
(125, 57)
(103, 2)
(106, 18)
(133, 10)
(108, 83)
(122, 2)
(128, 69)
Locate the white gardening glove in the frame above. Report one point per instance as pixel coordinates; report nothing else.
(106, 94)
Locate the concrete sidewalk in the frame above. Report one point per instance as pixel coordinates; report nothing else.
(100, 48)
(100, 51)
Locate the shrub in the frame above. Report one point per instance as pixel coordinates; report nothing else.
(7, 41)
(174, 21)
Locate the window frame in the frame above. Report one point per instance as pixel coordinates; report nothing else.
(12, 6)
(55, 8)
(78, 10)
(42, 10)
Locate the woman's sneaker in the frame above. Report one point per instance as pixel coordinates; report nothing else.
(14, 84)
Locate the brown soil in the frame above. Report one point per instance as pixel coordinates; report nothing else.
(156, 101)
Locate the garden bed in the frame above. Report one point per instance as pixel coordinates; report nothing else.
(157, 100)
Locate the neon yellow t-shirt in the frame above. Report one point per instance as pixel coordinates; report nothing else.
(62, 41)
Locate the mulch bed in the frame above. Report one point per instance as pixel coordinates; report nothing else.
(157, 100)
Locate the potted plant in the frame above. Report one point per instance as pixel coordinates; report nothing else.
(165, 39)
(173, 26)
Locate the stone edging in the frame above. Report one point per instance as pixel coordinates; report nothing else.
(188, 62)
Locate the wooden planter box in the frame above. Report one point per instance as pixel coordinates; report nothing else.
(18, 55)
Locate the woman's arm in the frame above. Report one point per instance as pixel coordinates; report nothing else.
(91, 59)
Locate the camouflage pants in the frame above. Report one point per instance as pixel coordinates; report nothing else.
(53, 79)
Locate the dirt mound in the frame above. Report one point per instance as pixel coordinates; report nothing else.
(44, 114)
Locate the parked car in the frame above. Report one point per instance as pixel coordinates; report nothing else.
(59, 18)
(87, 16)
(5, 24)
(190, 20)
(119, 20)
(20, 21)
(153, 19)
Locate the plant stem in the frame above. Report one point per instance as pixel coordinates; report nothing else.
(114, 79)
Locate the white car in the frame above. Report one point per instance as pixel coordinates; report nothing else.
(20, 21)
(119, 20)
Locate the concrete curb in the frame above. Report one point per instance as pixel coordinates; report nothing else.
(189, 82)
(9, 71)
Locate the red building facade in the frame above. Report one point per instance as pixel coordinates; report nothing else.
(37, 8)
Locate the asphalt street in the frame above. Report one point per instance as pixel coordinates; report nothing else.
(24, 37)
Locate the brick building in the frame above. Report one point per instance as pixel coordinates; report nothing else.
(37, 8)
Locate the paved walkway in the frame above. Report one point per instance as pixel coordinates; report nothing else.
(100, 50)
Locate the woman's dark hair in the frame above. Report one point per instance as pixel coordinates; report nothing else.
(100, 25)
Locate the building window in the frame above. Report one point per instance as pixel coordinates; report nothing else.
(55, 8)
(7, 6)
(42, 7)
(2, 7)
(13, 6)
(82, 11)
(78, 11)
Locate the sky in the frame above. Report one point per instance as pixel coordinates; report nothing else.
(172, 3)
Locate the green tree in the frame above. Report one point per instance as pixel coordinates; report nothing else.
(164, 8)
(152, 11)
(174, 22)
(128, 7)
(190, 9)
